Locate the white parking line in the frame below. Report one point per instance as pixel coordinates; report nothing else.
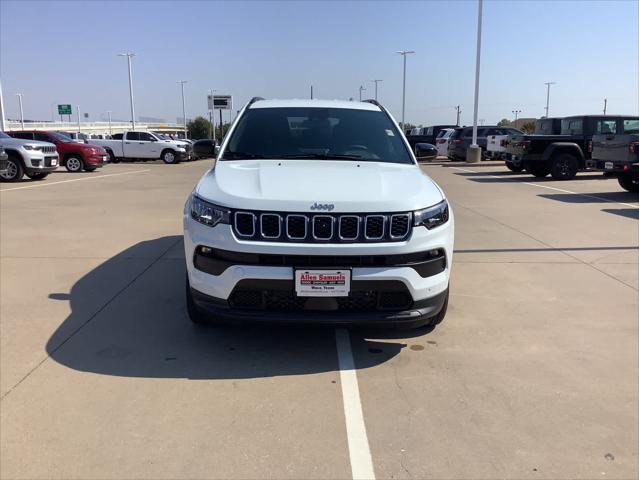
(358, 448)
(73, 180)
(553, 188)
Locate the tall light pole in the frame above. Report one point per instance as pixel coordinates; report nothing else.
(19, 95)
(376, 82)
(78, 108)
(458, 108)
(605, 105)
(109, 114)
(361, 87)
(2, 129)
(182, 82)
(129, 56)
(516, 113)
(548, 84)
(475, 150)
(403, 53)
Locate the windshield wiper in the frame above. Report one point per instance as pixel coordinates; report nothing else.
(241, 156)
(321, 156)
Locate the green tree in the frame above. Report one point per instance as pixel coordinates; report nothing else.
(528, 127)
(199, 128)
(220, 132)
(504, 122)
(407, 126)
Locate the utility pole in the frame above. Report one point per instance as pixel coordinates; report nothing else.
(2, 129)
(130, 55)
(19, 95)
(361, 87)
(548, 84)
(376, 82)
(78, 107)
(605, 105)
(481, 121)
(403, 53)
(109, 114)
(311, 92)
(458, 108)
(516, 113)
(182, 82)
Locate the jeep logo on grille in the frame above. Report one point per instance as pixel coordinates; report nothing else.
(322, 206)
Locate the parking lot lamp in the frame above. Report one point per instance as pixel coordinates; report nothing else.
(516, 113)
(361, 87)
(182, 82)
(19, 95)
(548, 84)
(403, 53)
(78, 107)
(1, 110)
(130, 55)
(109, 114)
(473, 153)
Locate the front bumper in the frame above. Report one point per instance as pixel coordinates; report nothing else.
(47, 162)
(97, 161)
(423, 284)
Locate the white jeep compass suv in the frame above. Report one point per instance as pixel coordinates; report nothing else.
(316, 211)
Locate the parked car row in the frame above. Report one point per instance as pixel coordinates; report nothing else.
(37, 153)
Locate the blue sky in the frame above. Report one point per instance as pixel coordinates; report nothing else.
(67, 53)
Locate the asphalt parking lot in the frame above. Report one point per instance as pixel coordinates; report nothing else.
(533, 373)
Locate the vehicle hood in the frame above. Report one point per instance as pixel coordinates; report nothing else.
(296, 185)
(16, 142)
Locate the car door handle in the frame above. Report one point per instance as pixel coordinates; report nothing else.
(141, 143)
(611, 137)
(128, 143)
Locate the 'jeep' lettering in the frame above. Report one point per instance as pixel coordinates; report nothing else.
(323, 206)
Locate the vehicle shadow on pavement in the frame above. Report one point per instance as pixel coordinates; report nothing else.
(623, 212)
(621, 196)
(128, 318)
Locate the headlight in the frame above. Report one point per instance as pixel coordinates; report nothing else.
(207, 213)
(31, 147)
(432, 217)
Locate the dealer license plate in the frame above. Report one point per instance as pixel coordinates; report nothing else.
(322, 283)
(609, 166)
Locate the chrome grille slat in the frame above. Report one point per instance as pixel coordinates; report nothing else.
(320, 224)
(374, 227)
(268, 222)
(292, 219)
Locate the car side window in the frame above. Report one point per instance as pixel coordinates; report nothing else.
(146, 137)
(23, 135)
(606, 126)
(116, 136)
(132, 136)
(43, 137)
(631, 126)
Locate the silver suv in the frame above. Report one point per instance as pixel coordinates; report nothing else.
(33, 158)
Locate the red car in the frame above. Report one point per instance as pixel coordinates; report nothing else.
(74, 156)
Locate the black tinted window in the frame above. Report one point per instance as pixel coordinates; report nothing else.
(317, 133)
(146, 137)
(43, 137)
(117, 136)
(132, 136)
(24, 135)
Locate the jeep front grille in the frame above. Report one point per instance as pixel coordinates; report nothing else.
(322, 228)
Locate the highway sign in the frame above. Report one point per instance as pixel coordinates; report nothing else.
(64, 109)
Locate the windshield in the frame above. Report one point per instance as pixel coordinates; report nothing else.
(4, 135)
(317, 133)
(62, 137)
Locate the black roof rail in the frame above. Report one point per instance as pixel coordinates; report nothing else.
(253, 100)
(374, 102)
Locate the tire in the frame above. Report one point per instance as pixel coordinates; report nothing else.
(195, 314)
(628, 183)
(564, 166)
(169, 157)
(15, 170)
(514, 168)
(90, 169)
(538, 169)
(112, 157)
(37, 175)
(439, 318)
(74, 164)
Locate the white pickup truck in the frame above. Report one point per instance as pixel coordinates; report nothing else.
(144, 146)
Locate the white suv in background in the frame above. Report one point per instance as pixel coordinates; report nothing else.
(31, 157)
(316, 211)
